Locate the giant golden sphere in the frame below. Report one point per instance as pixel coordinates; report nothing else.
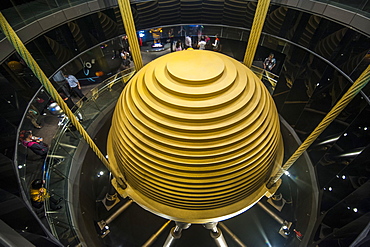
(196, 136)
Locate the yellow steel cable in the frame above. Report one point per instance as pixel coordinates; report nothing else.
(128, 22)
(334, 112)
(254, 37)
(32, 64)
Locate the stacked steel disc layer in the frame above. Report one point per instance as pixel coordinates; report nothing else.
(196, 136)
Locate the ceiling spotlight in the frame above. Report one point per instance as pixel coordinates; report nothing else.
(355, 210)
(365, 128)
(343, 176)
(330, 188)
(345, 134)
(101, 173)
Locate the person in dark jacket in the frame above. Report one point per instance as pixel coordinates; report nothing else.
(34, 143)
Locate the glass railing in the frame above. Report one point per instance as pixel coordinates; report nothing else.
(360, 6)
(61, 148)
(64, 144)
(268, 78)
(29, 11)
(30, 165)
(62, 155)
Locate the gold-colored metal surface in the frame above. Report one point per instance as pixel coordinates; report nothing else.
(196, 136)
(256, 30)
(128, 22)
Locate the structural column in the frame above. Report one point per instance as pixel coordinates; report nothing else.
(128, 22)
(254, 37)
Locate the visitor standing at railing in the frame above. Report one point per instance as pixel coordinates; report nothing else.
(202, 44)
(217, 44)
(75, 86)
(188, 42)
(207, 39)
(39, 194)
(179, 46)
(269, 62)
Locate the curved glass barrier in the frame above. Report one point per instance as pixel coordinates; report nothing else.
(30, 164)
(64, 144)
(41, 120)
(304, 84)
(19, 15)
(362, 6)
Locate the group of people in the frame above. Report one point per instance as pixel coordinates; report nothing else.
(38, 194)
(36, 144)
(204, 43)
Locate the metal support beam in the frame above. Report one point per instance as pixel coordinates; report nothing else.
(103, 223)
(175, 233)
(154, 237)
(216, 234)
(232, 235)
(272, 214)
(285, 225)
(111, 198)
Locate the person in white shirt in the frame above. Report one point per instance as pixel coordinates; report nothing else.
(202, 44)
(75, 86)
(188, 42)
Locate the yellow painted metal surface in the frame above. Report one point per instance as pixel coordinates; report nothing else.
(128, 22)
(196, 136)
(256, 30)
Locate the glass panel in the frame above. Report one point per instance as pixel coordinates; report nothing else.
(360, 6)
(64, 146)
(25, 12)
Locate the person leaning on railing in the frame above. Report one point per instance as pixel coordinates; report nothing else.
(34, 143)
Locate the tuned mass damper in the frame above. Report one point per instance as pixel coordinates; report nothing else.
(196, 136)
